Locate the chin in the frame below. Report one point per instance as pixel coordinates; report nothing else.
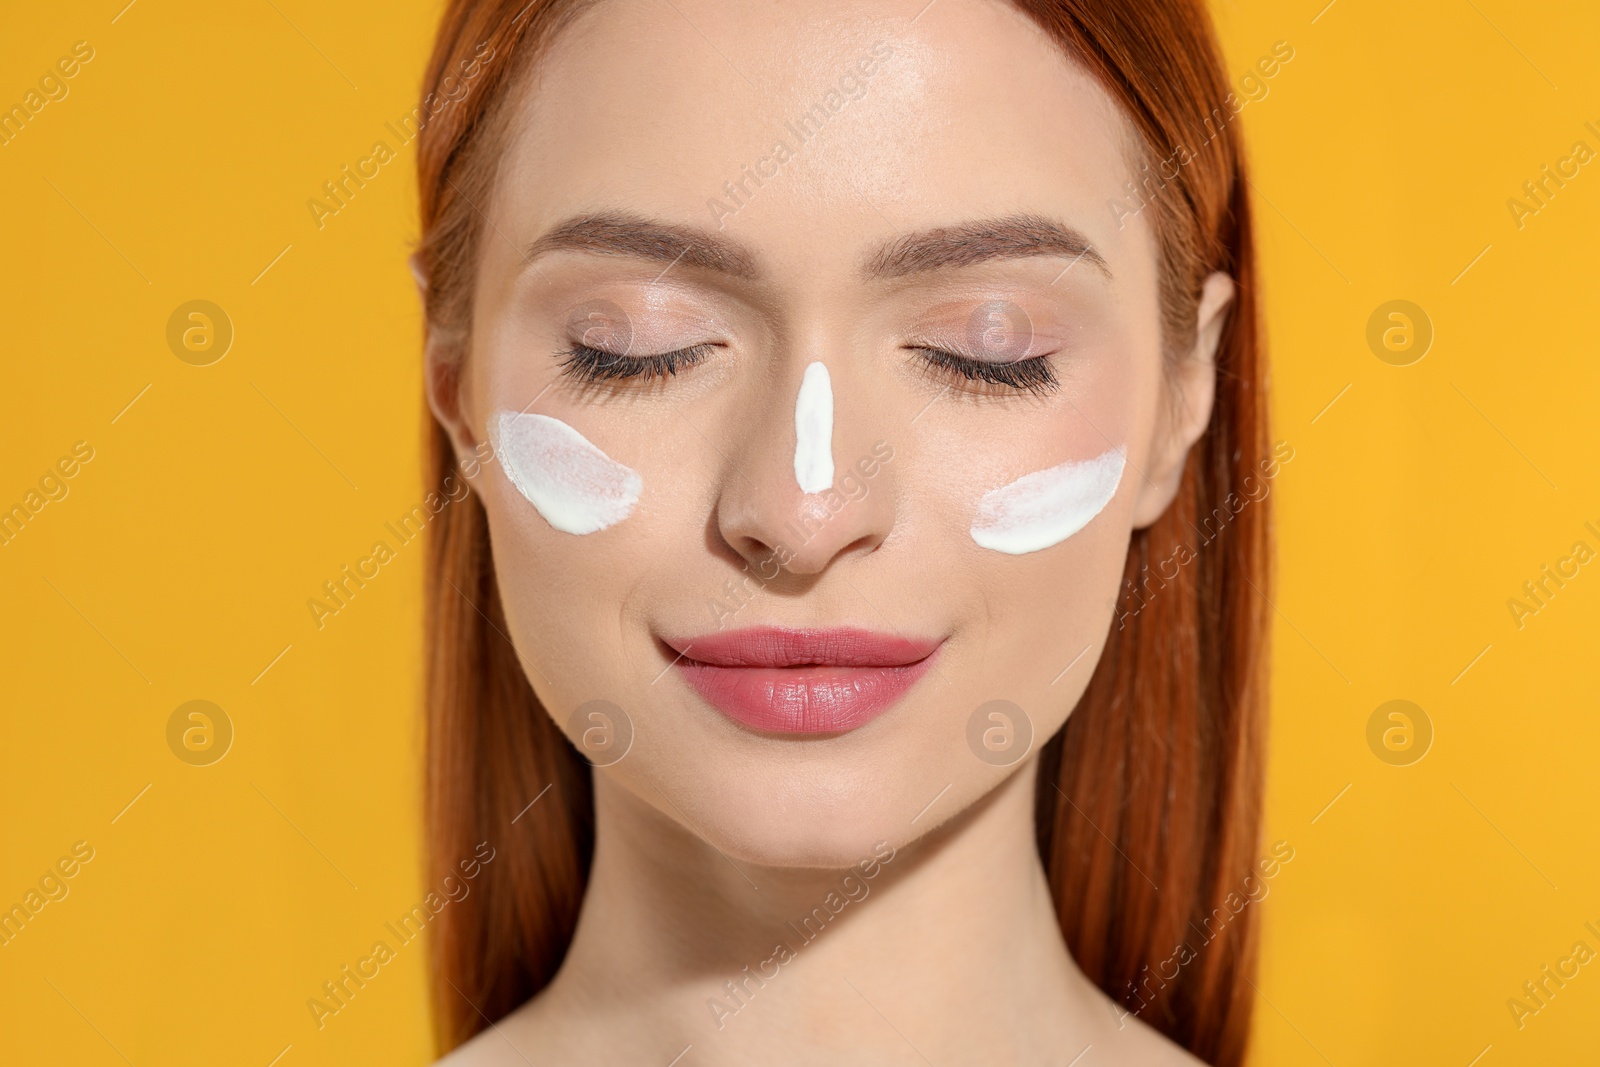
(807, 802)
(761, 830)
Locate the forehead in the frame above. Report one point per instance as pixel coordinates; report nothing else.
(808, 130)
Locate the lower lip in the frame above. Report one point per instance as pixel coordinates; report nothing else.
(803, 700)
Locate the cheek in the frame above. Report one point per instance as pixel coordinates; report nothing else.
(1034, 501)
(591, 519)
(1042, 509)
(1030, 475)
(569, 480)
(566, 549)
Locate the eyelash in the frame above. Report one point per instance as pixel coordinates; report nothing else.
(1032, 375)
(597, 365)
(590, 364)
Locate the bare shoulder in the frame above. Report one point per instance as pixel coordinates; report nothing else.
(1145, 1046)
(542, 1031)
(509, 1042)
(1130, 1041)
(1118, 1036)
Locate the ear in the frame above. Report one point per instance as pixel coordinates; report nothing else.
(1187, 412)
(442, 377)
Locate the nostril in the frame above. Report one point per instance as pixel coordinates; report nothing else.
(830, 510)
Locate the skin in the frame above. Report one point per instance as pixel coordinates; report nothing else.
(712, 837)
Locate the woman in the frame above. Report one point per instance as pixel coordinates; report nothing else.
(816, 655)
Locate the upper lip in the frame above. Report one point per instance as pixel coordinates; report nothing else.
(772, 646)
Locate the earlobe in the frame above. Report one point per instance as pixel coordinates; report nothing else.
(444, 400)
(419, 273)
(442, 375)
(1187, 411)
(444, 391)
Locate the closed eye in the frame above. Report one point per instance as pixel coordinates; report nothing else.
(1032, 375)
(590, 364)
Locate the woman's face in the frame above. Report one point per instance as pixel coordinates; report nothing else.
(731, 245)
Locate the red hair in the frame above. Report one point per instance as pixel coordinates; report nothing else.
(1154, 781)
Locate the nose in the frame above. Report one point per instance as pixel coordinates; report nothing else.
(809, 485)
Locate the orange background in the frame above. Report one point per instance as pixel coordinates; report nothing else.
(177, 567)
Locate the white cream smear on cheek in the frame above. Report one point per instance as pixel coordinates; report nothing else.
(1046, 507)
(813, 431)
(573, 484)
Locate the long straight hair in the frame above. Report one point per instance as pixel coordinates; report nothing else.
(1148, 803)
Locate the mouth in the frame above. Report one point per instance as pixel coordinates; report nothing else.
(802, 681)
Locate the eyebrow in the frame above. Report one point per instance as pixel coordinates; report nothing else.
(926, 251)
(641, 238)
(1012, 237)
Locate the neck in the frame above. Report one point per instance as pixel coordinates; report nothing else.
(952, 941)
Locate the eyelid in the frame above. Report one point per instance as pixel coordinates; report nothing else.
(964, 351)
(983, 345)
(591, 364)
(1035, 374)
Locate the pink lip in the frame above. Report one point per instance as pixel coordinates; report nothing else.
(802, 681)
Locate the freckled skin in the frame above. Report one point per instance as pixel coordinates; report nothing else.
(711, 838)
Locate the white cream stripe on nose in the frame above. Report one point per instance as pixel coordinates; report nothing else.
(813, 431)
